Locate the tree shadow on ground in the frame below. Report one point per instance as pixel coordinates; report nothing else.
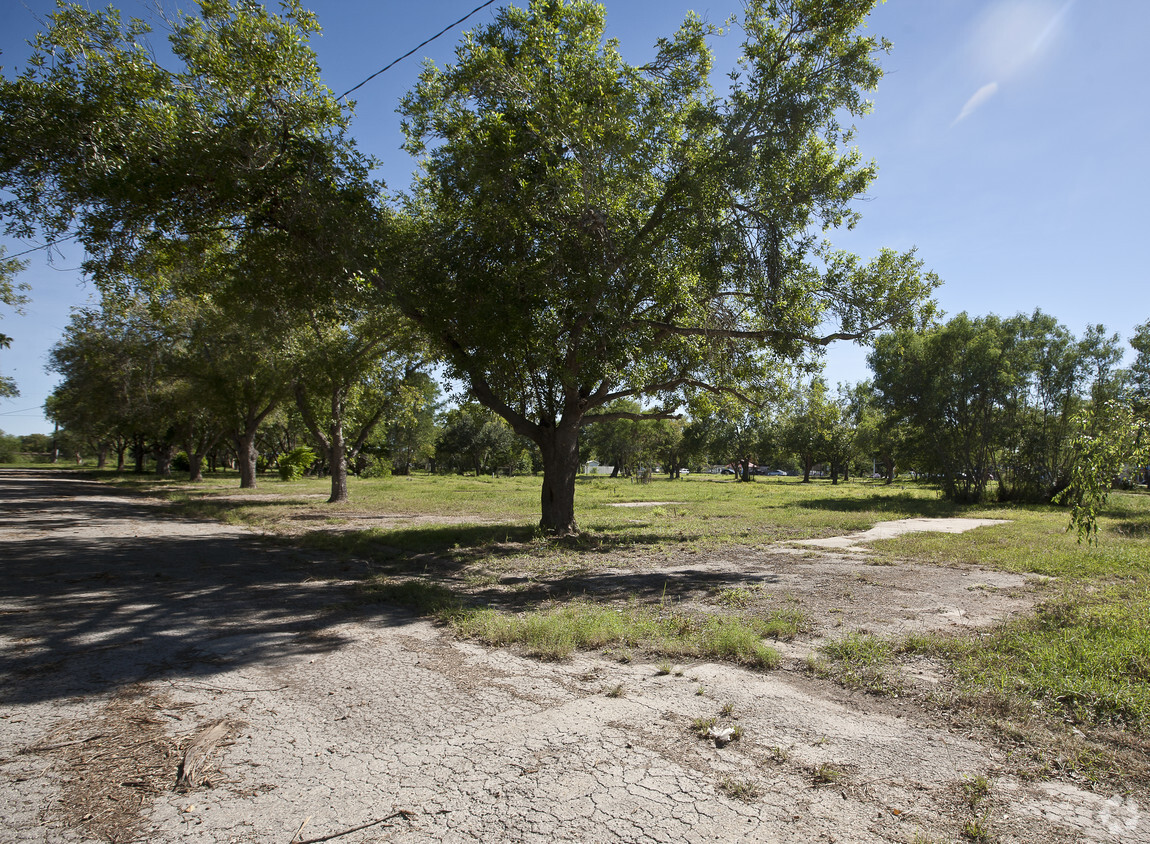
(894, 504)
(450, 547)
(96, 608)
(84, 610)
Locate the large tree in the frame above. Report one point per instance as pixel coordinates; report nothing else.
(586, 230)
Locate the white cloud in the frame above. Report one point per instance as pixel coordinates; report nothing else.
(977, 99)
(1012, 34)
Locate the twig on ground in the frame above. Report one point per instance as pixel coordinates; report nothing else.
(398, 813)
(40, 748)
(226, 688)
(88, 759)
(299, 830)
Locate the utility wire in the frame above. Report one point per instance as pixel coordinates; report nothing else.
(447, 28)
(38, 248)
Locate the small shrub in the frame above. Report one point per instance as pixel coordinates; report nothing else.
(744, 790)
(702, 726)
(297, 461)
(827, 774)
(976, 789)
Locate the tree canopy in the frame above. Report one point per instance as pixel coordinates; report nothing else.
(586, 230)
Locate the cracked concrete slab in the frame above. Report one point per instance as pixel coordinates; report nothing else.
(342, 717)
(897, 527)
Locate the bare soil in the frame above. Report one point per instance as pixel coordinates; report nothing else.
(124, 633)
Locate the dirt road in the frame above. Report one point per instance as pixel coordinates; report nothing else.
(125, 635)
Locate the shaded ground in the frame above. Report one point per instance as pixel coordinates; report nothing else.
(123, 634)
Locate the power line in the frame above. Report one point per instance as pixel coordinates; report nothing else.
(45, 246)
(447, 28)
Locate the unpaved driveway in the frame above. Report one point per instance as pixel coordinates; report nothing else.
(124, 634)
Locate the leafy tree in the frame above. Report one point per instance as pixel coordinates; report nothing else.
(842, 436)
(349, 377)
(103, 141)
(1108, 437)
(986, 397)
(621, 440)
(810, 427)
(410, 429)
(668, 446)
(586, 230)
(1140, 369)
(474, 438)
(118, 379)
(11, 295)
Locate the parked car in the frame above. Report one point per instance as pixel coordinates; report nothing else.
(778, 472)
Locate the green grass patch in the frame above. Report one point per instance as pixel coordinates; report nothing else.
(861, 661)
(1085, 656)
(420, 596)
(558, 631)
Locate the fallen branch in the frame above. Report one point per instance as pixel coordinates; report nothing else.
(404, 813)
(40, 748)
(189, 775)
(204, 688)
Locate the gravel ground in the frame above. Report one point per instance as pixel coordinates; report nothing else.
(125, 635)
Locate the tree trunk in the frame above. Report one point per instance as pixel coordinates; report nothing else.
(164, 454)
(120, 462)
(246, 457)
(102, 457)
(195, 467)
(138, 456)
(560, 448)
(337, 459)
(745, 476)
(807, 466)
(834, 473)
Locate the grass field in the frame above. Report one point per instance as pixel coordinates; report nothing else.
(466, 550)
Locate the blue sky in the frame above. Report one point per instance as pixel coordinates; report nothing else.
(1010, 137)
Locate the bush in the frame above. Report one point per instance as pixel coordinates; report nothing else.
(9, 448)
(180, 462)
(293, 464)
(377, 467)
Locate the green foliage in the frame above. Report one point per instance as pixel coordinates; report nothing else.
(377, 467)
(9, 448)
(297, 461)
(420, 596)
(11, 295)
(589, 231)
(1083, 656)
(1108, 439)
(474, 438)
(556, 633)
(987, 398)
